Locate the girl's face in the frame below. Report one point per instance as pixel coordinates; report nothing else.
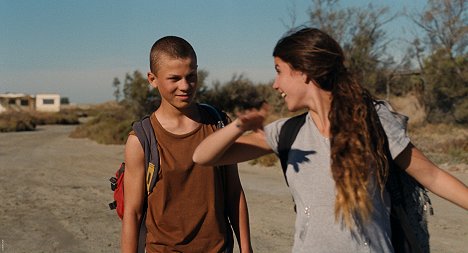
(291, 84)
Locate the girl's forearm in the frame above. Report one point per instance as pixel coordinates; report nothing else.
(211, 149)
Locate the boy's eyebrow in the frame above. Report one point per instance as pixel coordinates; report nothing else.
(173, 75)
(194, 71)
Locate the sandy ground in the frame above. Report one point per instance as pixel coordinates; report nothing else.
(54, 193)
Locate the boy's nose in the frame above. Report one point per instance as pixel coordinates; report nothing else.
(184, 84)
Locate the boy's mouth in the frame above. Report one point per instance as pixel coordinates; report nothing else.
(184, 95)
(283, 94)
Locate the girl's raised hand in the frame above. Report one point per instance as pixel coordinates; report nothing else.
(252, 119)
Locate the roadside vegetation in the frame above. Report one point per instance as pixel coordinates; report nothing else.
(109, 126)
(27, 121)
(429, 84)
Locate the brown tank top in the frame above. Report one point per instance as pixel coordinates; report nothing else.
(186, 210)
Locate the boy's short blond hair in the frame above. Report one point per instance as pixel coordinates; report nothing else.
(172, 46)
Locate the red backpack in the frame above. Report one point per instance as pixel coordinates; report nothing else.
(144, 131)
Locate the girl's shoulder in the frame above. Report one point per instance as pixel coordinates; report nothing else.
(389, 116)
(394, 125)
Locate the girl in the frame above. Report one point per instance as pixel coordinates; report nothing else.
(337, 167)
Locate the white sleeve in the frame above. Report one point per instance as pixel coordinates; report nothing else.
(394, 125)
(272, 132)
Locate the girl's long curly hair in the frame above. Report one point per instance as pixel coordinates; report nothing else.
(357, 140)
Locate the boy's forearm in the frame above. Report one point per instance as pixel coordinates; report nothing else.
(129, 237)
(239, 218)
(237, 208)
(244, 228)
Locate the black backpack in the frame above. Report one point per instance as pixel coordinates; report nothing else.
(145, 133)
(410, 202)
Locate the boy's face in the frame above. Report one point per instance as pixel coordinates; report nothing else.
(176, 80)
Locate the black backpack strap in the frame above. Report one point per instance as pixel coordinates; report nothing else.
(407, 231)
(145, 133)
(221, 117)
(222, 120)
(287, 135)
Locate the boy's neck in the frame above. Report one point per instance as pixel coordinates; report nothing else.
(178, 121)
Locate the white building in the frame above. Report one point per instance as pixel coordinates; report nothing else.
(48, 102)
(16, 102)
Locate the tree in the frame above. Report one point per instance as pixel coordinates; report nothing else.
(138, 96)
(116, 85)
(202, 89)
(442, 58)
(361, 34)
(64, 101)
(239, 93)
(273, 98)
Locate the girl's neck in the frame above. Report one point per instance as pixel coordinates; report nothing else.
(319, 109)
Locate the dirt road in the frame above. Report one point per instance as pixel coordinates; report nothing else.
(54, 194)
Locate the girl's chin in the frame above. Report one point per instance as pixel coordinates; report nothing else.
(294, 108)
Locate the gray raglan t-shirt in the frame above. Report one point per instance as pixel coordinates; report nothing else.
(313, 189)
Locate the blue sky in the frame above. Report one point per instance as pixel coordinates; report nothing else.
(77, 47)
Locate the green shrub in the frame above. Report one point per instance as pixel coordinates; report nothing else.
(109, 127)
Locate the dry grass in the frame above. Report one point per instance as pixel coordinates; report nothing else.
(27, 121)
(15, 121)
(442, 143)
(110, 126)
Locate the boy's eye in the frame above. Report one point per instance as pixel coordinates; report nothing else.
(192, 77)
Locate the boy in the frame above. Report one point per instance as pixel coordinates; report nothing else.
(192, 207)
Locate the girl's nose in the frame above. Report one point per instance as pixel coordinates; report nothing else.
(275, 84)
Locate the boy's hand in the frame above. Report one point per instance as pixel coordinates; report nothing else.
(252, 119)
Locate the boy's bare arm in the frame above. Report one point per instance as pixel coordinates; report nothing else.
(237, 208)
(134, 194)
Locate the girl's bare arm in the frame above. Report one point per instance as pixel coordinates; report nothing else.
(432, 177)
(231, 145)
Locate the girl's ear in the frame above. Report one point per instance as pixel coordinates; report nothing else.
(152, 79)
(306, 79)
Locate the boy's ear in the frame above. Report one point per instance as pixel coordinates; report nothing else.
(152, 79)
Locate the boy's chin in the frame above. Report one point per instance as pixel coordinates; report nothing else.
(184, 104)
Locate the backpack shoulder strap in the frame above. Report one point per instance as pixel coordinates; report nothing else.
(408, 203)
(287, 135)
(145, 133)
(221, 117)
